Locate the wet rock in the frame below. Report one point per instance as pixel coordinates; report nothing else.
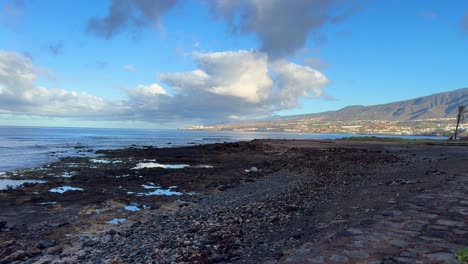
(43, 244)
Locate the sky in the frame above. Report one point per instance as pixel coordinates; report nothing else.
(177, 63)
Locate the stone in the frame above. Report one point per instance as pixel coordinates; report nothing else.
(442, 258)
(43, 244)
(54, 250)
(319, 259)
(338, 258)
(354, 231)
(222, 187)
(450, 223)
(17, 255)
(32, 251)
(7, 243)
(3, 224)
(356, 254)
(398, 243)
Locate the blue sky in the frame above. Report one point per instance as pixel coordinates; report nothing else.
(359, 52)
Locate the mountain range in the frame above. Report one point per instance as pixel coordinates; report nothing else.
(432, 114)
(440, 105)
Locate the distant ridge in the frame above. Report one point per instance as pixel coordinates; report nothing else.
(440, 105)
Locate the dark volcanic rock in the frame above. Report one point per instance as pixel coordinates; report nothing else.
(43, 244)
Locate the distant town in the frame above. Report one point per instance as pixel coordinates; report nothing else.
(432, 127)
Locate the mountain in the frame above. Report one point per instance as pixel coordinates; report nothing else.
(428, 115)
(441, 105)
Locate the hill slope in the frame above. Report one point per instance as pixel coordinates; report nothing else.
(441, 105)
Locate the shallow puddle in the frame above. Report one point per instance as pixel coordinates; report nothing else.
(63, 189)
(117, 221)
(6, 183)
(132, 208)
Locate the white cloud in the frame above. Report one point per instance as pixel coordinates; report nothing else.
(295, 81)
(19, 93)
(226, 85)
(240, 74)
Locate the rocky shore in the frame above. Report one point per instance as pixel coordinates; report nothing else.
(245, 202)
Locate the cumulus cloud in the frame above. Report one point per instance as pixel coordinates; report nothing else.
(225, 85)
(295, 81)
(464, 22)
(240, 74)
(281, 26)
(20, 95)
(128, 14)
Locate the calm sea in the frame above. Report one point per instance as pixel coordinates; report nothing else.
(25, 147)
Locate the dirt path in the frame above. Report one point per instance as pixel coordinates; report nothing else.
(426, 228)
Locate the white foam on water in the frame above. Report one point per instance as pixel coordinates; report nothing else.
(161, 192)
(202, 166)
(66, 175)
(117, 221)
(105, 161)
(149, 165)
(63, 189)
(149, 186)
(7, 183)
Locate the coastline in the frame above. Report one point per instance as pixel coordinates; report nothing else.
(303, 190)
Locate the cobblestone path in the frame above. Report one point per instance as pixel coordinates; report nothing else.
(426, 228)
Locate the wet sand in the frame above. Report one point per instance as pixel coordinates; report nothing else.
(125, 206)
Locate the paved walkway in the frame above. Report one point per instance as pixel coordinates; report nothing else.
(427, 228)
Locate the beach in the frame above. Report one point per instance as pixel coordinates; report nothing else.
(240, 202)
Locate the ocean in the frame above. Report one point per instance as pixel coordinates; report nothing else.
(27, 147)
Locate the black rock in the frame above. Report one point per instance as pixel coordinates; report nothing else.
(222, 187)
(46, 243)
(112, 232)
(3, 224)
